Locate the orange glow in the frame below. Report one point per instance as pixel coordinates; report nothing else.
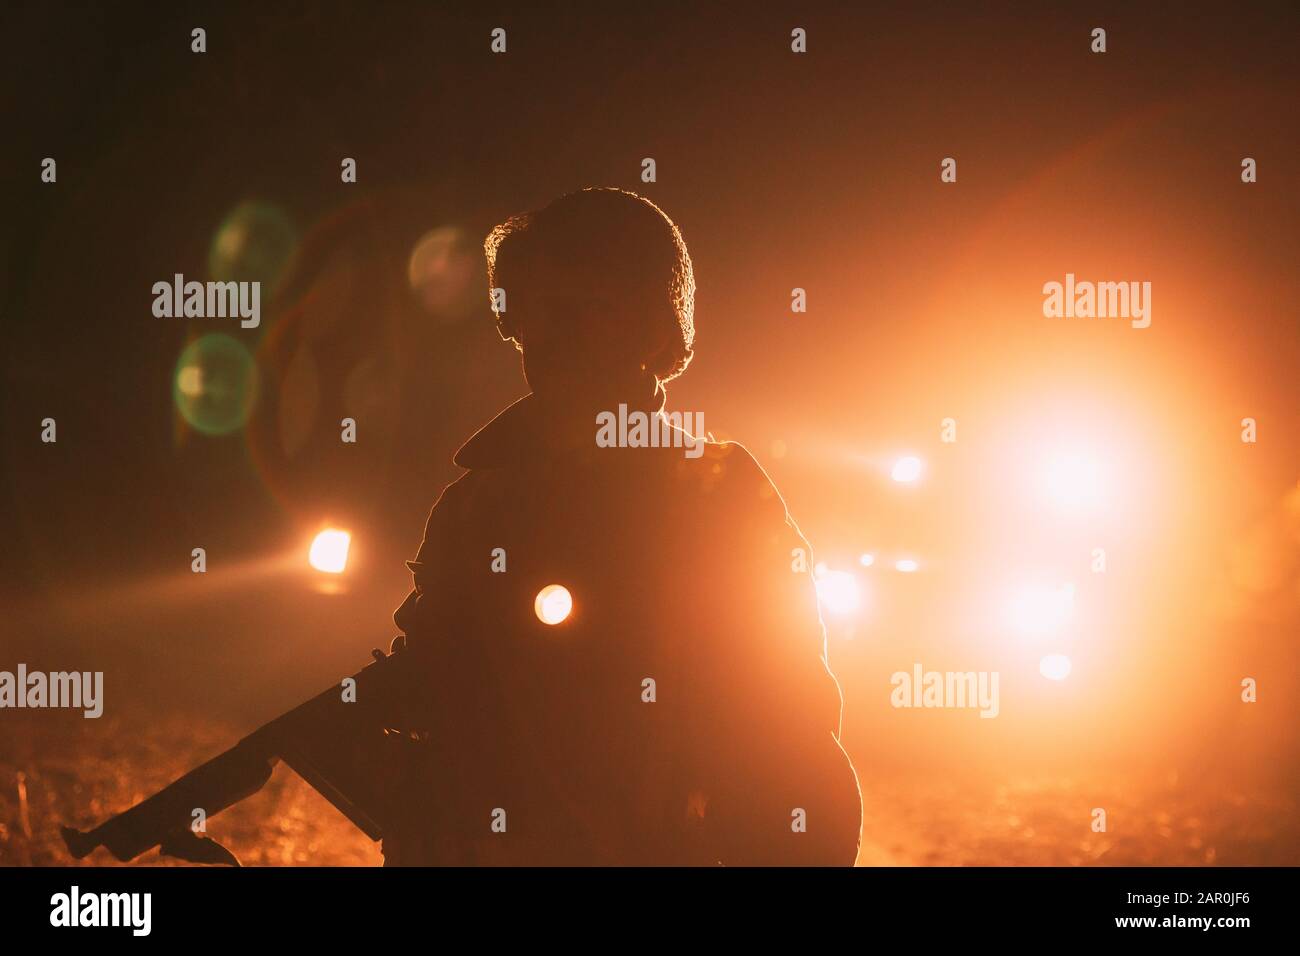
(1075, 481)
(838, 592)
(906, 470)
(1055, 667)
(1035, 612)
(554, 603)
(329, 551)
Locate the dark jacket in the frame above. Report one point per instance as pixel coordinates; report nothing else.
(684, 572)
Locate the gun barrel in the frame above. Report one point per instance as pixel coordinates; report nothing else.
(211, 787)
(333, 741)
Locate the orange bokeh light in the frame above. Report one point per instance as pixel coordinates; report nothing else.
(329, 551)
(554, 604)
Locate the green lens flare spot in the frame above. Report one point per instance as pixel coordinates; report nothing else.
(215, 384)
(253, 244)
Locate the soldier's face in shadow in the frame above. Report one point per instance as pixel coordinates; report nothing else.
(584, 343)
(406, 615)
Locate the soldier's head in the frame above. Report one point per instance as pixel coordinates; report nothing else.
(598, 293)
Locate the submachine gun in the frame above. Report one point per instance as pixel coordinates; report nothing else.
(341, 743)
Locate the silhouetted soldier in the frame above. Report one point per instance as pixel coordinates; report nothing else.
(683, 712)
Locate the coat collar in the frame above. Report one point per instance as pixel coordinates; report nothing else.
(522, 431)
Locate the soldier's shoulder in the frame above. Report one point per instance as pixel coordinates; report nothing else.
(731, 458)
(728, 469)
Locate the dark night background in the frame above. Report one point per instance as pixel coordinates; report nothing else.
(816, 171)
